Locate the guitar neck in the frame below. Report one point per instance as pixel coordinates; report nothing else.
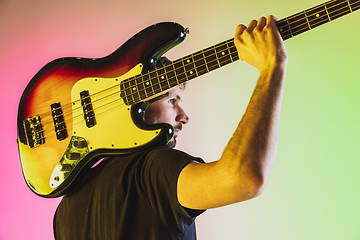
(316, 16)
(184, 69)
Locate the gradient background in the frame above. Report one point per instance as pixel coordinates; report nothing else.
(313, 192)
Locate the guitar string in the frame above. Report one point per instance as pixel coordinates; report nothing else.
(316, 20)
(76, 116)
(121, 104)
(283, 20)
(295, 32)
(134, 77)
(157, 77)
(184, 65)
(73, 103)
(309, 22)
(280, 21)
(64, 113)
(188, 64)
(325, 5)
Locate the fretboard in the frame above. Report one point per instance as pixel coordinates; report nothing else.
(161, 79)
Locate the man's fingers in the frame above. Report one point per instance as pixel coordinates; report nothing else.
(240, 29)
(261, 23)
(271, 20)
(273, 17)
(252, 25)
(251, 41)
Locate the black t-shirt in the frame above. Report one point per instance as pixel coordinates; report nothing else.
(132, 197)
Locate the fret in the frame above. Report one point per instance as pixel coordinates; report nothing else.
(144, 87)
(298, 24)
(229, 49)
(222, 53)
(194, 65)
(200, 64)
(166, 74)
(180, 71)
(206, 64)
(189, 67)
(154, 81)
(171, 76)
(337, 9)
(327, 12)
(148, 86)
(123, 92)
(183, 65)
(233, 51)
(288, 24)
(125, 87)
(163, 80)
(175, 74)
(307, 20)
(132, 88)
(137, 96)
(355, 4)
(141, 88)
(216, 56)
(211, 60)
(284, 29)
(317, 16)
(349, 5)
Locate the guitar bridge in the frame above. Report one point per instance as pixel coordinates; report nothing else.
(33, 131)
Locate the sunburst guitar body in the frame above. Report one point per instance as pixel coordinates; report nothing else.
(76, 111)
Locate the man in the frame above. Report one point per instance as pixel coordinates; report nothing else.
(157, 193)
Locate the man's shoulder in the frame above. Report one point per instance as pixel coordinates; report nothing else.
(155, 152)
(162, 157)
(166, 150)
(171, 153)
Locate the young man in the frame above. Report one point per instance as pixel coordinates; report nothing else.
(157, 193)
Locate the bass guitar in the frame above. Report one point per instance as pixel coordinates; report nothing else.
(76, 111)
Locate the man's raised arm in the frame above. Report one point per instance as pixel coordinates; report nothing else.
(244, 167)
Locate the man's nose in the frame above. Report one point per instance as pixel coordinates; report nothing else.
(181, 116)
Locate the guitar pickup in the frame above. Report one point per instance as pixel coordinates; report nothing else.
(33, 131)
(88, 110)
(59, 123)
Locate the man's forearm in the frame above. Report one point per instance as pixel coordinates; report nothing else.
(252, 149)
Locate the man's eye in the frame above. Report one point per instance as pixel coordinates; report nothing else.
(172, 101)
